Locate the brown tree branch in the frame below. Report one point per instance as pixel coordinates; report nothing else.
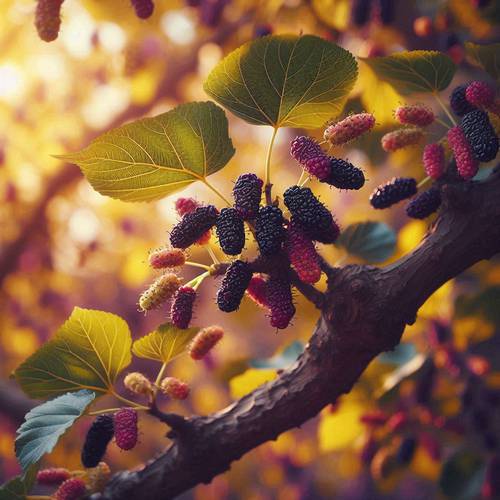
(365, 313)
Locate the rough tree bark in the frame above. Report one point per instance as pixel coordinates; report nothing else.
(365, 313)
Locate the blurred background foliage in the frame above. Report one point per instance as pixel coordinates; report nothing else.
(62, 244)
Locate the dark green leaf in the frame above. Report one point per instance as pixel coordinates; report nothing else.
(46, 423)
(485, 56)
(19, 487)
(284, 81)
(370, 241)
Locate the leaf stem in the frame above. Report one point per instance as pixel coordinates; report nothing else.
(445, 109)
(267, 178)
(301, 178)
(217, 192)
(212, 255)
(442, 122)
(161, 372)
(107, 410)
(197, 264)
(423, 182)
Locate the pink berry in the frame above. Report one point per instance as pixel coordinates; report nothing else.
(302, 254)
(319, 166)
(185, 206)
(71, 489)
(53, 476)
(126, 432)
(467, 165)
(349, 128)
(433, 159)
(480, 94)
(256, 290)
(204, 341)
(162, 258)
(401, 138)
(414, 115)
(175, 388)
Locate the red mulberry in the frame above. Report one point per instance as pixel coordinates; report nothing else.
(304, 148)
(280, 299)
(401, 138)
(192, 226)
(233, 286)
(459, 104)
(392, 192)
(175, 388)
(182, 307)
(230, 230)
(185, 206)
(481, 135)
(98, 436)
(256, 290)
(143, 8)
(467, 164)
(53, 476)
(126, 430)
(480, 94)
(314, 218)
(204, 341)
(319, 166)
(247, 193)
(48, 19)
(345, 175)
(303, 255)
(71, 489)
(269, 231)
(424, 204)
(419, 116)
(433, 160)
(349, 128)
(162, 258)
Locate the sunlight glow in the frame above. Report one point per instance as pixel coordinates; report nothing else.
(11, 83)
(178, 27)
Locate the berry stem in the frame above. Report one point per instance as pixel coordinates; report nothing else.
(161, 372)
(267, 178)
(305, 181)
(197, 264)
(196, 282)
(301, 178)
(216, 191)
(445, 108)
(133, 404)
(423, 182)
(108, 410)
(212, 255)
(441, 122)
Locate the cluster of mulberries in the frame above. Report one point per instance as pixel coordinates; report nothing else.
(382, 11)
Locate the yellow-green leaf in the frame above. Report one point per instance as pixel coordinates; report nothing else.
(88, 352)
(284, 81)
(485, 56)
(153, 157)
(164, 343)
(414, 71)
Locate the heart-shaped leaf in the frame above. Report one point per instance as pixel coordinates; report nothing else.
(284, 81)
(414, 71)
(88, 352)
(485, 56)
(19, 487)
(153, 157)
(280, 360)
(46, 423)
(164, 343)
(371, 241)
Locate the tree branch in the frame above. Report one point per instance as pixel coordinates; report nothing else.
(365, 313)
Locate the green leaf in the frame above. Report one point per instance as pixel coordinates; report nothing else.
(414, 71)
(19, 487)
(284, 81)
(88, 352)
(371, 241)
(485, 56)
(153, 157)
(46, 423)
(281, 360)
(164, 343)
(462, 476)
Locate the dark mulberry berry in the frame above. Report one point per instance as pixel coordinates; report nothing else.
(406, 450)
(424, 204)
(465, 160)
(192, 226)
(361, 11)
(269, 231)
(71, 489)
(319, 167)
(280, 301)
(304, 148)
(345, 175)
(230, 230)
(459, 103)
(143, 8)
(392, 192)
(233, 286)
(126, 431)
(307, 211)
(182, 306)
(302, 254)
(48, 19)
(98, 436)
(387, 11)
(52, 476)
(481, 135)
(247, 193)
